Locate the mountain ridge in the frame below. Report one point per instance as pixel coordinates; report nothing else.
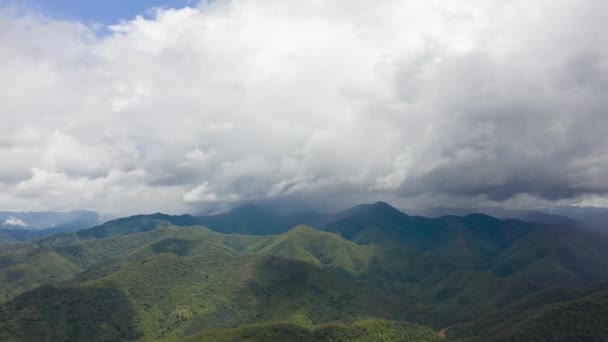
(179, 279)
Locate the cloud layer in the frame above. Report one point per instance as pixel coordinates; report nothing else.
(316, 102)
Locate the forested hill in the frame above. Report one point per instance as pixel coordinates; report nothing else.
(370, 273)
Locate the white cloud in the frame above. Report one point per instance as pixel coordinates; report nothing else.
(204, 193)
(11, 221)
(420, 102)
(201, 193)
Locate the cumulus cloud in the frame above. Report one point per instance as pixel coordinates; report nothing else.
(316, 102)
(11, 221)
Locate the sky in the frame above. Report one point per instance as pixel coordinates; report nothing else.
(102, 13)
(321, 104)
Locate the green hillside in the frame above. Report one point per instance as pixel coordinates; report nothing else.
(372, 270)
(556, 256)
(15, 235)
(183, 280)
(363, 331)
(550, 315)
(69, 314)
(187, 283)
(319, 248)
(63, 256)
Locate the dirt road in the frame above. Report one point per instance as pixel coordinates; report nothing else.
(442, 332)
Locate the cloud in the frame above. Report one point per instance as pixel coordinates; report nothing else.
(318, 102)
(204, 193)
(11, 221)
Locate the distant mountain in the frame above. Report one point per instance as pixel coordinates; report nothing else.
(595, 217)
(59, 221)
(17, 235)
(257, 220)
(22, 226)
(591, 217)
(545, 254)
(538, 216)
(249, 219)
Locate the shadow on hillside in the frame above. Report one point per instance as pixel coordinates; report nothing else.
(69, 314)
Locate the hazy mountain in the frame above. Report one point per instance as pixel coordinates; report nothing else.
(59, 221)
(258, 220)
(481, 242)
(594, 217)
(22, 226)
(538, 216)
(591, 217)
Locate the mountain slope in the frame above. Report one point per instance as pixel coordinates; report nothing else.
(556, 256)
(544, 254)
(256, 220)
(16, 235)
(68, 314)
(177, 279)
(184, 284)
(319, 248)
(470, 240)
(184, 280)
(550, 315)
(363, 331)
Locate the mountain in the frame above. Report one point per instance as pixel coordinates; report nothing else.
(550, 315)
(248, 219)
(17, 234)
(544, 254)
(68, 314)
(538, 216)
(22, 226)
(370, 272)
(594, 217)
(257, 220)
(61, 221)
(363, 331)
(178, 281)
(182, 280)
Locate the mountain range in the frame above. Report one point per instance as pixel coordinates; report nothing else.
(368, 273)
(22, 226)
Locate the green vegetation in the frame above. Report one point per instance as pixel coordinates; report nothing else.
(69, 314)
(15, 235)
(541, 254)
(550, 315)
(363, 331)
(372, 270)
